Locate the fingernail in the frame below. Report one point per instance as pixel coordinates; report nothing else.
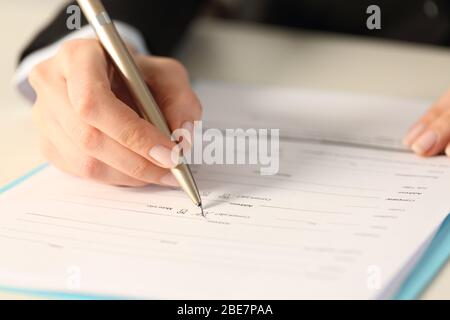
(447, 151)
(166, 157)
(413, 133)
(188, 138)
(169, 180)
(425, 142)
(189, 126)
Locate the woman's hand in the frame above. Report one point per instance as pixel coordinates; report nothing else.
(431, 134)
(88, 125)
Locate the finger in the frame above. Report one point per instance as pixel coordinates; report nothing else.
(90, 95)
(71, 159)
(57, 160)
(436, 137)
(91, 168)
(429, 117)
(40, 75)
(100, 146)
(50, 153)
(169, 82)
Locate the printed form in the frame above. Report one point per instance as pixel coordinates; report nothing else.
(339, 220)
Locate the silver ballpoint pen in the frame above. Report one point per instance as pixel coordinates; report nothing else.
(114, 46)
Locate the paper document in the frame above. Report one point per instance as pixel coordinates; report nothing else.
(313, 114)
(337, 221)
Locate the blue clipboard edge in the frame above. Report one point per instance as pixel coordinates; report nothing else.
(40, 293)
(55, 295)
(427, 268)
(25, 177)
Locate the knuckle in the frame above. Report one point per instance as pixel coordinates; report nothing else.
(38, 75)
(442, 124)
(86, 103)
(71, 47)
(140, 170)
(175, 66)
(94, 44)
(91, 95)
(90, 139)
(134, 136)
(90, 168)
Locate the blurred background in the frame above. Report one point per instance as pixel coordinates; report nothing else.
(19, 21)
(234, 48)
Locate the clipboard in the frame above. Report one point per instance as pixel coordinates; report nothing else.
(419, 278)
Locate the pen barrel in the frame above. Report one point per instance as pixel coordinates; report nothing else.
(124, 62)
(148, 108)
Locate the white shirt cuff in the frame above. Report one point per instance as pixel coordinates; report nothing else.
(128, 33)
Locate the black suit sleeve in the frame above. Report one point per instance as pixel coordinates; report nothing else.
(162, 22)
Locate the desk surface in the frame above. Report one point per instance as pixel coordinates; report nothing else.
(245, 53)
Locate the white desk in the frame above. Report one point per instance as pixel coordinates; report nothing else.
(246, 53)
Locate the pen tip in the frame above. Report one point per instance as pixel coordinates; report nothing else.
(200, 205)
